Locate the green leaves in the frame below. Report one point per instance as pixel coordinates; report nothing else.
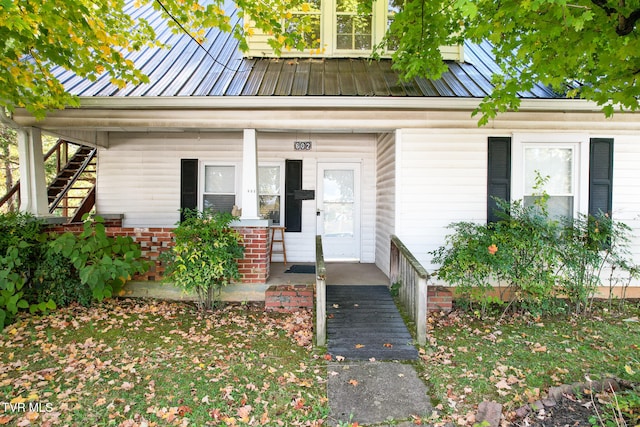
(103, 263)
(204, 257)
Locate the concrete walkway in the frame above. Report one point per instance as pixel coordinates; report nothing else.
(376, 393)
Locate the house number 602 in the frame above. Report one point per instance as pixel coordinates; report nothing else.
(302, 145)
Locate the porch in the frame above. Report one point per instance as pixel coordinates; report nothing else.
(338, 273)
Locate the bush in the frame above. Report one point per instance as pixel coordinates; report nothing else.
(58, 280)
(205, 256)
(103, 263)
(538, 258)
(40, 271)
(20, 251)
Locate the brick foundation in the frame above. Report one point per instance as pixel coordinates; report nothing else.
(254, 267)
(289, 298)
(439, 299)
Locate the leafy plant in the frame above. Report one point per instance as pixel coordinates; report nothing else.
(588, 245)
(57, 279)
(20, 247)
(536, 256)
(466, 261)
(204, 257)
(103, 263)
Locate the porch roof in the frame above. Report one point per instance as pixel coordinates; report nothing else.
(220, 69)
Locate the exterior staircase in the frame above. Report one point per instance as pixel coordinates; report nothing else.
(71, 193)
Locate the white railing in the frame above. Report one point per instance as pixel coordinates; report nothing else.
(408, 273)
(321, 295)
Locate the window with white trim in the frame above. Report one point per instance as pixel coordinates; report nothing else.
(270, 185)
(553, 164)
(219, 187)
(338, 28)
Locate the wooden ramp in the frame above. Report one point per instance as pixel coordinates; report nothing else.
(363, 323)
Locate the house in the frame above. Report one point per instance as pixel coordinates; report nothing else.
(330, 143)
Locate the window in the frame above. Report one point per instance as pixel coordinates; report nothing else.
(338, 28)
(269, 192)
(220, 185)
(580, 171)
(354, 29)
(550, 170)
(308, 15)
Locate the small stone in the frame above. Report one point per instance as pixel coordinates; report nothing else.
(549, 402)
(522, 411)
(490, 412)
(555, 393)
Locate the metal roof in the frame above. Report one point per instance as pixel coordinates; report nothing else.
(220, 69)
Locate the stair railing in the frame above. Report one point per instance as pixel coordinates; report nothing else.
(60, 148)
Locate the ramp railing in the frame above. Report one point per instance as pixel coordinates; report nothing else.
(321, 295)
(410, 275)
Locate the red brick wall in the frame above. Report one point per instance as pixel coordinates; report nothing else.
(439, 299)
(288, 298)
(254, 267)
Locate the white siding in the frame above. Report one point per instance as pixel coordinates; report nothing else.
(139, 175)
(441, 178)
(626, 186)
(385, 198)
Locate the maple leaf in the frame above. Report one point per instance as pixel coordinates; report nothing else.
(353, 382)
(244, 412)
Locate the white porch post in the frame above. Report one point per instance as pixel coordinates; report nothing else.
(250, 175)
(33, 186)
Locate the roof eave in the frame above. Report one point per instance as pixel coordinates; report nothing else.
(320, 102)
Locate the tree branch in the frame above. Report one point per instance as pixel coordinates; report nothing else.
(627, 24)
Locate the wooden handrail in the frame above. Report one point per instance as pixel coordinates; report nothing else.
(55, 149)
(321, 295)
(406, 271)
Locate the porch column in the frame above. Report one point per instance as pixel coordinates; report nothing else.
(33, 186)
(250, 175)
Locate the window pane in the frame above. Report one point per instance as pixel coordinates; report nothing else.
(219, 179)
(556, 163)
(339, 219)
(219, 202)
(269, 180)
(338, 186)
(270, 208)
(557, 206)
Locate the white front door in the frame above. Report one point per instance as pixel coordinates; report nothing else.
(338, 204)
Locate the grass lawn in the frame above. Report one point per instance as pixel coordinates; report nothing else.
(145, 363)
(516, 360)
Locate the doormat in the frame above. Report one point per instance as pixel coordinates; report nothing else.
(300, 268)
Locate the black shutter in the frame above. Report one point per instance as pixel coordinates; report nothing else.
(292, 206)
(188, 185)
(600, 176)
(499, 174)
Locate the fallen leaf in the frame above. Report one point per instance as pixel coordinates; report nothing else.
(388, 345)
(359, 345)
(353, 382)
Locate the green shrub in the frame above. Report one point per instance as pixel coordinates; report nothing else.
(205, 256)
(535, 256)
(20, 251)
(103, 263)
(58, 280)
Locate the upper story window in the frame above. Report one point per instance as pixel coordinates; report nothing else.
(354, 27)
(340, 28)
